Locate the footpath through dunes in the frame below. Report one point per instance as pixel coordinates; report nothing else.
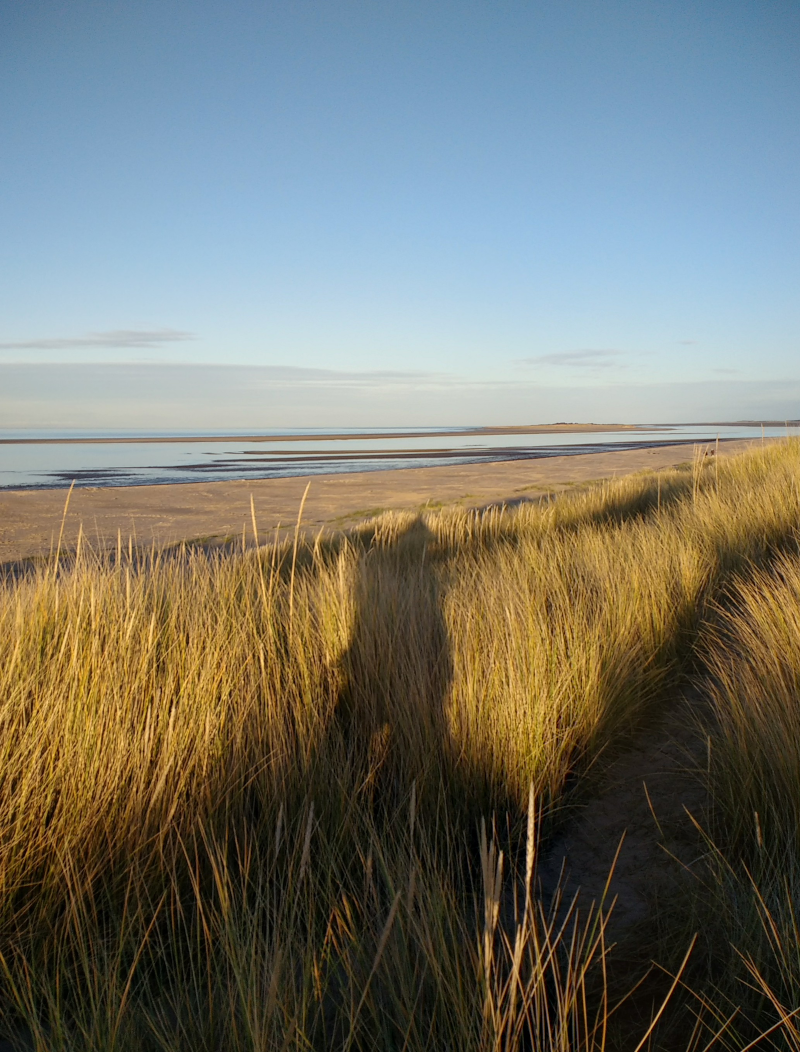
(634, 844)
(633, 841)
(30, 520)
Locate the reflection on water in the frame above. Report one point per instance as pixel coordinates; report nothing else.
(28, 463)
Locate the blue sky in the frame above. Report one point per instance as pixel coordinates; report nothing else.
(398, 213)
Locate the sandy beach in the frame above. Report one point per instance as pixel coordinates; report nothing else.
(30, 520)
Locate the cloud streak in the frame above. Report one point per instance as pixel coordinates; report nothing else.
(114, 339)
(291, 376)
(583, 359)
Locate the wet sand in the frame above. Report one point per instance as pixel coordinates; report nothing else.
(212, 511)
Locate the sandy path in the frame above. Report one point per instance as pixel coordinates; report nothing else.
(30, 519)
(643, 796)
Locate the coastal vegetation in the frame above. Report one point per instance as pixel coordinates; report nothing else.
(296, 794)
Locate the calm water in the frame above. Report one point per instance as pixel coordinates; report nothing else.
(136, 463)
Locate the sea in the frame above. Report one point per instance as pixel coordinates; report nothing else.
(36, 459)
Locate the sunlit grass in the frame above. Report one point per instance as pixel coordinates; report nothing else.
(240, 790)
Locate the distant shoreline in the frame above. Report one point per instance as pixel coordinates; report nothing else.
(350, 436)
(337, 436)
(341, 436)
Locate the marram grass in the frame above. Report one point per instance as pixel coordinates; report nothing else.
(240, 791)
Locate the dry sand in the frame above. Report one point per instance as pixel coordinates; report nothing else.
(30, 519)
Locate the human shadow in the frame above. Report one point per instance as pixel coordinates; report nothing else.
(390, 720)
(412, 704)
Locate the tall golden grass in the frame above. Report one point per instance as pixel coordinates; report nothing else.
(240, 791)
(752, 654)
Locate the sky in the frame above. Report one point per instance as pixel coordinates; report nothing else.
(308, 213)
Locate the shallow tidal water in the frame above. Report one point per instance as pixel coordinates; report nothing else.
(46, 459)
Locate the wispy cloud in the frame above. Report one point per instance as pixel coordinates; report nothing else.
(583, 359)
(687, 343)
(116, 338)
(289, 375)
